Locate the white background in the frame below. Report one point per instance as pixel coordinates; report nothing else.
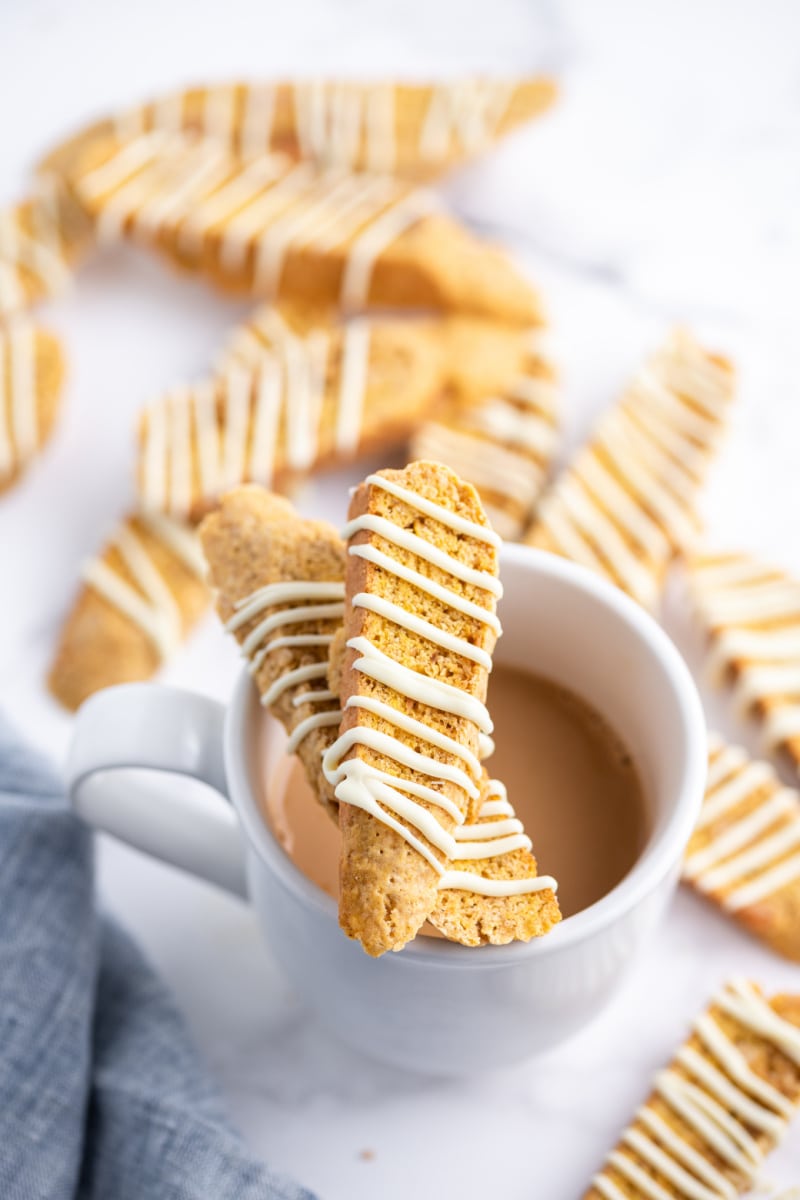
(664, 188)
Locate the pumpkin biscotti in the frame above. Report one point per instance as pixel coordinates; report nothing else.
(311, 402)
(293, 232)
(279, 583)
(140, 597)
(750, 612)
(412, 130)
(420, 625)
(718, 1109)
(744, 854)
(31, 379)
(40, 241)
(504, 444)
(627, 503)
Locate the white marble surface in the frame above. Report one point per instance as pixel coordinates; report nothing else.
(664, 188)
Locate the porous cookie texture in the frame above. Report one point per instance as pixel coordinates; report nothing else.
(413, 130)
(292, 232)
(722, 1104)
(750, 612)
(279, 584)
(476, 920)
(31, 380)
(628, 501)
(504, 444)
(397, 542)
(309, 401)
(744, 854)
(140, 597)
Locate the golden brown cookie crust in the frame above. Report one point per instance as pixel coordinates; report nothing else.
(33, 355)
(254, 539)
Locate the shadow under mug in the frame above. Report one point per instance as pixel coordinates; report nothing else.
(435, 1007)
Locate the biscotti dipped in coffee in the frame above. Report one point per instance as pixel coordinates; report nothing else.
(408, 129)
(503, 444)
(628, 501)
(490, 892)
(31, 381)
(292, 232)
(309, 402)
(750, 613)
(279, 586)
(744, 855)
(719, 1108)
(421, 625)
(139, 599)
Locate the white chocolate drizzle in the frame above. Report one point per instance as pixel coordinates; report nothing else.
(753, 848)
(32, 262)
(291, 605)
(503, 446)
(719, 1097)
(628, 500)
(393, 799)
(752, 613)
(19, 401)
(263, 413)
(146, 600)
(171, 187)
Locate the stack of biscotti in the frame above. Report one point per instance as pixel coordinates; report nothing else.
(329, 631)
(412, 130)
(627, 504)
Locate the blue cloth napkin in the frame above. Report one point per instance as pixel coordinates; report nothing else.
(102, 1094)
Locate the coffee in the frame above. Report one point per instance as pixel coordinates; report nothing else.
(570, 778)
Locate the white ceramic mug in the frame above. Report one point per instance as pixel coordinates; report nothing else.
(435, 1007)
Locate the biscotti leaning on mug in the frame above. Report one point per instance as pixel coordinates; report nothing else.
(392, 750)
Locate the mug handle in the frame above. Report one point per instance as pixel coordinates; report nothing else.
(126, 742)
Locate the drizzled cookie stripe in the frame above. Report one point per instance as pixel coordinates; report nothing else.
(752, 612)
(628, 500)
(290, 606)
(393, 802)
(254, 420)
(163, 186)
(720, 1098)
(19, 425)
(750, 848)
(503, 446)
(148, 601)
(36, 253)
(340, 124)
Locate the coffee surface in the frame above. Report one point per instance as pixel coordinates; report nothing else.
(570, 778)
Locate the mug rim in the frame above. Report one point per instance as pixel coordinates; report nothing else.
(659, 856)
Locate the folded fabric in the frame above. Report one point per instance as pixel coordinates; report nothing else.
(102, 1093)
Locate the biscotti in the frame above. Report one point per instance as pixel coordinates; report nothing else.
(311, 402)
(717, 1110)
(140, 597)
(420, 627)
(31, 381)
(279, 585)
(414, 130)
(628, 502)
(41, 240)
(293, 232)
(504, 444)
(744, 854)
(750, 612)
